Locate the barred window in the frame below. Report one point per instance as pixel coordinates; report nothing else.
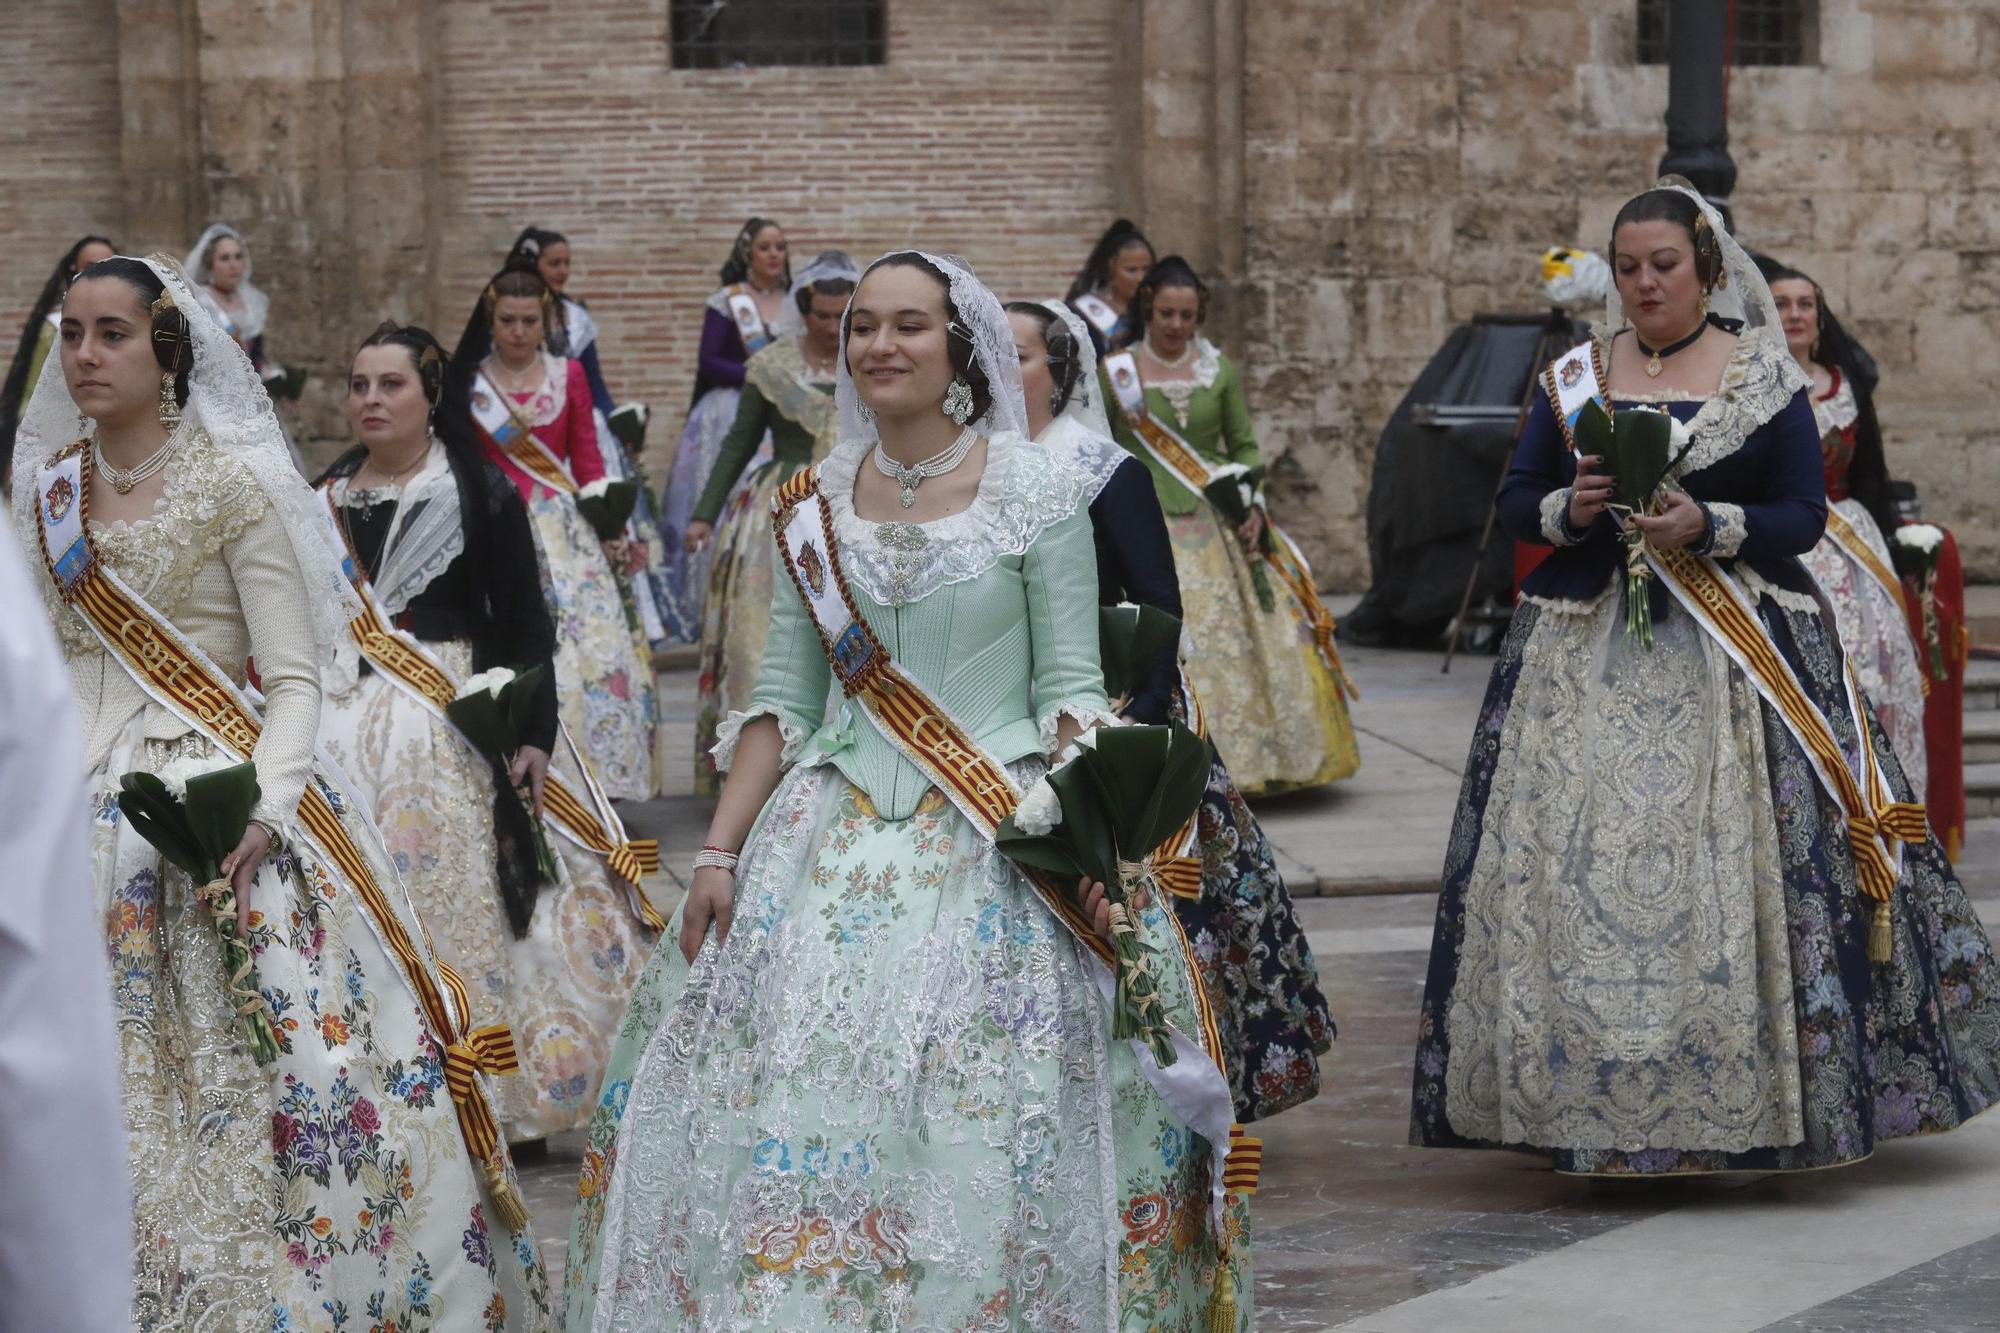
(734, 34)
(1766, 32)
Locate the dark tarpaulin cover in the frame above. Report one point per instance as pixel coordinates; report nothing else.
(1434, 479)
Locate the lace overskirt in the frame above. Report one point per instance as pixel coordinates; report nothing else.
(1651, 953)
(686, 572)
(563, 987)
(1273, 705)
(890, 1098)
(335, 1176)
(604, 672)
(1876, 634)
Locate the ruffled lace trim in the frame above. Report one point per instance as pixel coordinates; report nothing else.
(1085, 716)
(1555, 518)
(1757, 383)
(1757, 587)
(1023, 491)
(1730, 528)
(730, 730)
(1573, 606)
(1838, 410)
(1179, 393)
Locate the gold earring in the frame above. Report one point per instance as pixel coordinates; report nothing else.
(170, 408)
(1704, 303)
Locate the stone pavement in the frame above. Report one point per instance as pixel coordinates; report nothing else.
(1355, 1230)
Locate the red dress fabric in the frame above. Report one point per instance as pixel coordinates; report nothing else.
(1944, 710)
(571, 435)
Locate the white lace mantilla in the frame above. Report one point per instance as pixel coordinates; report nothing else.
(1022, 492)
(1756, 385)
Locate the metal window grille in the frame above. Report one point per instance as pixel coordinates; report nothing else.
(734, 34)
(1767, 32)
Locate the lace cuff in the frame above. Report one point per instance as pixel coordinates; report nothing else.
(1555, 519)
(1727, 530)
(730, 730)
(1087, 715)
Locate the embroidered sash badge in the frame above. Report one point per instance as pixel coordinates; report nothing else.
(813, 565)
(61, 495)
(1572, 372)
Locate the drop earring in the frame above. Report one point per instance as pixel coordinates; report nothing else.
(865, 412)
(170, 408)
(1055, 402)
(958, 400)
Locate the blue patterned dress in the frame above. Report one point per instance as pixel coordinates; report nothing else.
(1651, 951)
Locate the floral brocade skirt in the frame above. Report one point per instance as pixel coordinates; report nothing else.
(604, 671)
(1651, 951)
(1273, 705)
(1875, 631)
(687, 571)
(889, 1100)
(1254, 960)
(335, 1178)
(563, 987)
(736, 617)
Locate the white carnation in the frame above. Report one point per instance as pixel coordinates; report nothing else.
(1039, 811)
(1925, 537)
(595, 489)
(174, 776)
(492, 681)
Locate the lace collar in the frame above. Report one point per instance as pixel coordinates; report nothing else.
(1757, 384)
(1023, 491)
(1836, 409)
(543, 404)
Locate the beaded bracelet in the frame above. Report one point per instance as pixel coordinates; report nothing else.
(717, 858)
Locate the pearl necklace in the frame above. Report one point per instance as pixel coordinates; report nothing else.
(122, 479)
(1170, 363)
(909, 478)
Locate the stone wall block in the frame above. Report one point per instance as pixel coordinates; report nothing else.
(1925, 41)
(1978, 280)
(1970, 220)
(1410, 110)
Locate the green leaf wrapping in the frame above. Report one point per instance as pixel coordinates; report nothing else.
(485, 722)
(157, 817)
(1641, 442)
(1593, 431)
(1131, 640)
(518, 698)
(219, 806)
(607, 513)
(628, 423)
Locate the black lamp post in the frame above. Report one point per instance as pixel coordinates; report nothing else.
(1697, 103)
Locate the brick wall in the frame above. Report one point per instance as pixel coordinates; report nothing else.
(983, 135)
(1406, 161)
(59, 143)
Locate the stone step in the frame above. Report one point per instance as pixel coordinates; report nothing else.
(1982, 685)
(1982, 789)
(1982, 613)
(1982, 737)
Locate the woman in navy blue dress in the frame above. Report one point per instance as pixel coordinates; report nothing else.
(1654, 953)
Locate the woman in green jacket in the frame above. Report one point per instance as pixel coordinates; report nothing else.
(1264, 661)
(787, 394)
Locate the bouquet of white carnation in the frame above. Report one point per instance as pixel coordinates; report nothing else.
(1102, 815)
(1917, 548)
(495, 710)
(193, 812)
(1640, 447)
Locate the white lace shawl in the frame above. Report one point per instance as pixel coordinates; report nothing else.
(425, 536)
(1024, 490)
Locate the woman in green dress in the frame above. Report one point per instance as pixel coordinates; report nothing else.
(787, 393)
(874, 1086)
(1264, 661)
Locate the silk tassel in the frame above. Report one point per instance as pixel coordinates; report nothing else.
(507, 1200)
(1222, 1300)
(1881, 946)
